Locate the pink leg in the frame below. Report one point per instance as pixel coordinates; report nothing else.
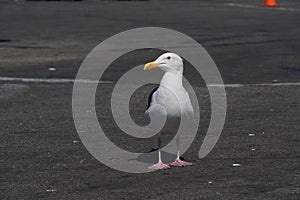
(180, 163)
(160, 164)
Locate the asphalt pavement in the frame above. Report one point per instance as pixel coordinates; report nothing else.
(42, 156)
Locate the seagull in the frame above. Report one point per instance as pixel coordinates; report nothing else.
(173, 98)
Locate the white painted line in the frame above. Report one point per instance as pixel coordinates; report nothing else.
(255, 84)
(261, 7)
(274, 84)
(64, 80)
(50, 80)
(226, 85)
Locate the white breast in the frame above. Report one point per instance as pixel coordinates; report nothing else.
(174, 100)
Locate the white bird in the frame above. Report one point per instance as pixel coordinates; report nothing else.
(172, 96)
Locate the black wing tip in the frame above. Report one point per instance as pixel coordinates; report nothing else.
(150, 96)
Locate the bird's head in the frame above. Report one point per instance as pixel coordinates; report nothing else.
(167, 62)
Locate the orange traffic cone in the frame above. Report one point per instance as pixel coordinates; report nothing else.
(270, 3)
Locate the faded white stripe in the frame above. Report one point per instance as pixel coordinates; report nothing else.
(63, 80)
(50, 80)
(255, 84)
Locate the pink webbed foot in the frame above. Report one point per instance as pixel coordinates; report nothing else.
(180, 163)
(158, 166)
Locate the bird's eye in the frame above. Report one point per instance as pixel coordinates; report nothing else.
(168, 57)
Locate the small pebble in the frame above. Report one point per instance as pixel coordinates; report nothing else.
(51, 69)
(253, 149)
(75, 141)
(236, 165)
(251, 134)
(51, 190)
(209, 182)
(81, 161)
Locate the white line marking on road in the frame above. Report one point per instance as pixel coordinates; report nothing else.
(226, 85)
(275, 84)
(51, 80)
(255, 84)
(65, 80)
(261, 7)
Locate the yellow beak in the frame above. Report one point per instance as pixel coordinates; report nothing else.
(151, 65)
